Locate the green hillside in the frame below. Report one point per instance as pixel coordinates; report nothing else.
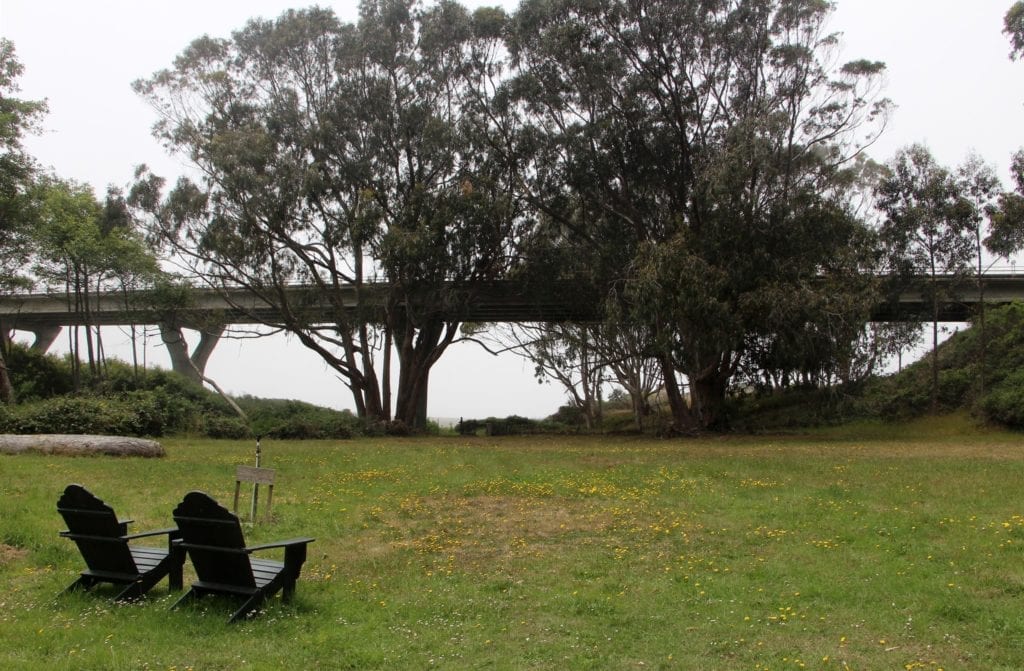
(987, 381)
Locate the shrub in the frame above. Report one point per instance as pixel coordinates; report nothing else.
(468, 427)
(1004, 403)
(297, 420)
(569, 415)
(234, 428)
(78, 414)
(36, 376)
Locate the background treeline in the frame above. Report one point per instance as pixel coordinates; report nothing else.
(989, 388)
(697, 170)
(157, 402)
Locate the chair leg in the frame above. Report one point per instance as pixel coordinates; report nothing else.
(84, 583)
(251, 604)
(176, 573)
(187, 597)
(288, 591)
(133, 591)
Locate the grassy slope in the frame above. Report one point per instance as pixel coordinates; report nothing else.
(846, 548)
(908, 394)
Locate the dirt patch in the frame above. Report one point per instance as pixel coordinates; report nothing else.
(9, 554)
(72, 445)
(473, 531)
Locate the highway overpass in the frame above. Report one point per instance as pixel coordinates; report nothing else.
(211, 310)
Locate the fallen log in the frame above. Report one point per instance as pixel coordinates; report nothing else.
(71, 445)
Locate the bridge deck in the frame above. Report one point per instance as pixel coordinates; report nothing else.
(498, 302)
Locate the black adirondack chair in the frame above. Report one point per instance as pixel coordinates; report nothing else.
(213, 538)
(103, 541)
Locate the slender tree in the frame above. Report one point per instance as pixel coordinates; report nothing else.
(90, 249)
(981, 190)
(565, 354)
(926, 231)
(18, 192)
(1007, 234)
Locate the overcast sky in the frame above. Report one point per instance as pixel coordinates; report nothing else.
(948, 73)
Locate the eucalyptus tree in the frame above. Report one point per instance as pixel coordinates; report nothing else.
(982, 191)
(18, 192)
(583, 358)
(67, 245)
(698, 153)
(566, 354)
(1013, 26)
(1007, 233)
(348, 157)
(88, 248)
(627, 352)
(926, 231)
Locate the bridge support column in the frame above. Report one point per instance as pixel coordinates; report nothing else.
(45, 337)
(191, 365)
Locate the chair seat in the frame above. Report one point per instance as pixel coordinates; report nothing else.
(147, 559)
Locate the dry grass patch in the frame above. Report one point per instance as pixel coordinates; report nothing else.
(476, 531)
(10, 554)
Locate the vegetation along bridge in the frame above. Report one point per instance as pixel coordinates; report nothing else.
(209, 311)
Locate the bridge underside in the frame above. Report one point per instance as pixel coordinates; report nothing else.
(211, 310)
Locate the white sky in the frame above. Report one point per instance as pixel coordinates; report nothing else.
(948, 73)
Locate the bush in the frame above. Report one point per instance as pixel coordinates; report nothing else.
(297, 420)
(468, 427)
(36, 376)
(513, 425)
(79, 414)
(569, 415)
(1004, 403)
(234, 428)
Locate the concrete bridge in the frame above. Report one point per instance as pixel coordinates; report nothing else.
(210, 311)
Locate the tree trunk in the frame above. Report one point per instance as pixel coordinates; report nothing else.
(682, 418)
(935, 352)
(6, 388)
(418, 351)
(375, 407)
(177, 349)
(707, 393)
(981, 318)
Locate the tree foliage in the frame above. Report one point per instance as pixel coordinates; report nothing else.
(18, 201)
(339, 155)
(927, 230)
(1013, 26)
(685, 147)
(87, 248)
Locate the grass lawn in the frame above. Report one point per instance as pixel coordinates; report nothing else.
(850, 549)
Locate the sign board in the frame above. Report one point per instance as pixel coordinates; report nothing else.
(257, 476)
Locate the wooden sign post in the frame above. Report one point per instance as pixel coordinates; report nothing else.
(256, 476)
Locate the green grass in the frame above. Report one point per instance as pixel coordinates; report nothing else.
(845, 548)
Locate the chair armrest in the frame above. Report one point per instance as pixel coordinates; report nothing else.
(173, 532)
(87, 537)
(280, 544)
(180, 543)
